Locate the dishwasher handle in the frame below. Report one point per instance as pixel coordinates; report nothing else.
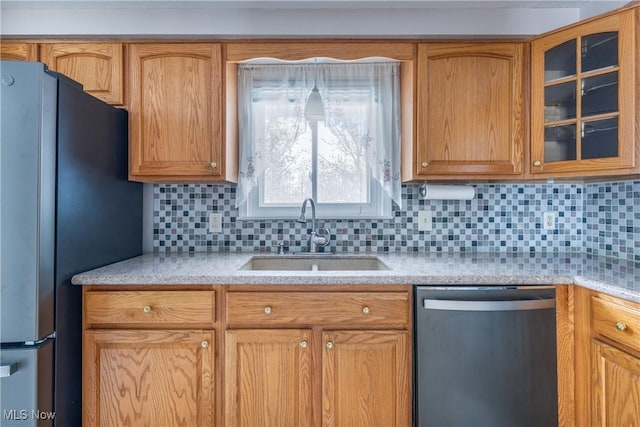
(481, 305)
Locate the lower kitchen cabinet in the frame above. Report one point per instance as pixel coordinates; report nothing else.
(615, 362)
(288, 356)
(607, 342)
(365, 380)
(149, 357)
(312, 358)
(616, 387)
(268, 378)
(271, 376)
(148, 378)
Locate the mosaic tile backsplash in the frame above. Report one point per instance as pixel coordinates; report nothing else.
(612, 219)
(602, 219)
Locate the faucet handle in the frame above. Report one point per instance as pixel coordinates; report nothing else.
(280, 247)
(324, 241)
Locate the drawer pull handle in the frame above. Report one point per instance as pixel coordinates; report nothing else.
(621, 326)
(204, 344)
(304, 344)
(268, 310)
(329, 345)
(146, 309)
(213, 165)
(537, 163)
(366, 310)
(425, 164)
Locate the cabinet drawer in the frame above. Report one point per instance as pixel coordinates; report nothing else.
(128, 308)
(616, 321)
(377, 309)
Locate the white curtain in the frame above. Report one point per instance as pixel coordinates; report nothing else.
(375, 86)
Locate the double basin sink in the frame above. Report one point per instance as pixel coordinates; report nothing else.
(314, 262)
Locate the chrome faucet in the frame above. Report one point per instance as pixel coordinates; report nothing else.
(315, 241)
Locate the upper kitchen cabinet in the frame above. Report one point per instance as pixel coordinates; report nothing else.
(15, 51)
(470, 112)
(584, 89)
(99, 67)
(176, 114)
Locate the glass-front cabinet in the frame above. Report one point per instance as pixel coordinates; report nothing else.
(583, 98)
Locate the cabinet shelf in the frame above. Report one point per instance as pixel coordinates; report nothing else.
(598, 71)
(583, 75)
(560, 80)
(593, 117)
(556, 123)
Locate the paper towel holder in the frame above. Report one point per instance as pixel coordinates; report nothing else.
(446, 192)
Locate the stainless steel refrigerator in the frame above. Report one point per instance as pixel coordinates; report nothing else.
(66, 206)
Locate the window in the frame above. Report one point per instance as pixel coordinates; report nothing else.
(348, 163)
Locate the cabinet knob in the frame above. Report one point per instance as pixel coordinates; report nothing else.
(204, 344)
(268, 310)
(425, 164)
(146, 309)
(621, 326)
(366, 310)
(329, 345)
(537, 163)
(214, 165)
(304, 344)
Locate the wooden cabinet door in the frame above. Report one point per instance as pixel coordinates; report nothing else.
(584, 83)
(470, 110)
(13, 51)
(616, 387)
(268, 378)
(175, 111)
(148, 378)
(366, 378)
(99, 67)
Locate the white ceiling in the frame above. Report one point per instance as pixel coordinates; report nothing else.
(292, 18)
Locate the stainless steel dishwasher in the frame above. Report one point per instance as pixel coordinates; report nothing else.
(485, 356)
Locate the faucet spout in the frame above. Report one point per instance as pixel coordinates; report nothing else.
(315, 241)
(303, 209)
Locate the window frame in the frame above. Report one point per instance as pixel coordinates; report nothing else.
(297, 50)
(379, 205)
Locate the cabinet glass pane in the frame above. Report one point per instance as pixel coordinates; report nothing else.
(559, 143)
(600, 138)
(599, 51)
(600, 94)
(560, 61)
(560, 102)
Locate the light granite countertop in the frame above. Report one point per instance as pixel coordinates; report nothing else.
(609, 275)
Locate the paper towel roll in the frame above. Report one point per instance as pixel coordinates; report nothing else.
(447, 192)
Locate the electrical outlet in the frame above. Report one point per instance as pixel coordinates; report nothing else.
(549, 221)
(425, 221)
(215, 223)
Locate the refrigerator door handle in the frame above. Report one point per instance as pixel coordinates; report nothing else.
(8, 370)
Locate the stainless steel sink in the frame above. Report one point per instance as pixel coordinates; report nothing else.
(314, 263)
